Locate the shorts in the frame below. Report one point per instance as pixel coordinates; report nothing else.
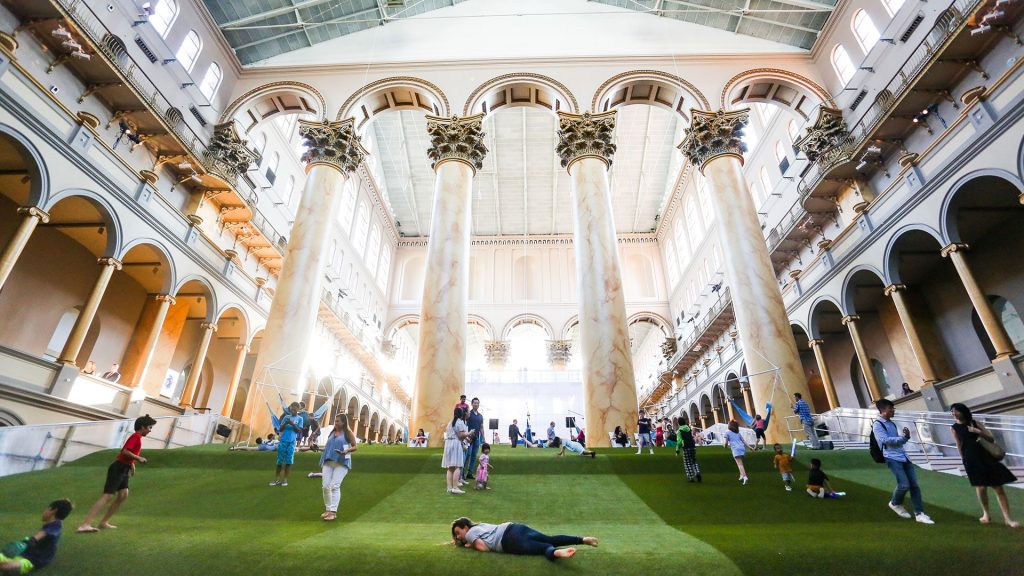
(787, 476)
(25, 564)
(118, 474)
(285, 453)
(814, 487)
(759, 432)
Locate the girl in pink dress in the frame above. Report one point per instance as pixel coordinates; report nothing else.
(483, 465)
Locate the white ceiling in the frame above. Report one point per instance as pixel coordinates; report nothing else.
(522, 189)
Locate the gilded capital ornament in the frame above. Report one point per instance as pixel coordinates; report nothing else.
(828, 132)
(335, 143)
(559, 353)
(227, 155)
(33, 212)
(456, 138)
(585, 136)
(497, 352)
(714, 134)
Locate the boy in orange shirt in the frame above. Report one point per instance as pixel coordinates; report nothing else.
(784, 464)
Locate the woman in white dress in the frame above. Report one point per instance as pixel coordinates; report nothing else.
(454, 454)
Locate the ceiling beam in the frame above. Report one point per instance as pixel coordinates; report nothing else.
(271, 13)
(300, 28)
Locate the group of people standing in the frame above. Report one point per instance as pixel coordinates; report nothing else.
(463, 437)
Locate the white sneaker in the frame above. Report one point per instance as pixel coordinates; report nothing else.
(744, 480)
(652, 451)
(638, 452)
(789, 488)
(901, 511)
(457, 491)
(275, 483)
(924, 518)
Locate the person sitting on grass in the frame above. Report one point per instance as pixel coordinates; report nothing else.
(784, 464)
(421, 439)
(818, 485)
(512, 538)
(118, 473)
(291, 426)
(571, 447)
(39, 549)
(620, 437)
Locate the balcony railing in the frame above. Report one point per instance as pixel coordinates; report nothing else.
(702, 324)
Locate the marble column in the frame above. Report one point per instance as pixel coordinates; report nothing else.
(713, 143)
(456, 152)
(609, 388)
(81, 328)
(332, 150)
(993, 325)
(717, 412)
(862, 357)
(197, 364)
(748, 401)
(236, 375)
(899, 298)
(826, 375)
(164, 302)
(703, 422)
(31, 217)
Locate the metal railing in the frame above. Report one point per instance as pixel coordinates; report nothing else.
(724, 299)
(519, 376)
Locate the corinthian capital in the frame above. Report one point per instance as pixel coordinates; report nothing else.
(334, 143)
(714, 134)
(829, 131)
(585, 135)
(456, 138)
(227, 154)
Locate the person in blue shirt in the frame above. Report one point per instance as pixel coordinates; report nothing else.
(336, 461)
(476, 430)
(291, 426)
(39, 549)
(801, 409)
(891, 441)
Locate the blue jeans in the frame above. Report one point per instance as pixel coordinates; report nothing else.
(467, 467)
(906, 479)
(521, 539)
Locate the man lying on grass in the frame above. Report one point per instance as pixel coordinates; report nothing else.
(512, 538)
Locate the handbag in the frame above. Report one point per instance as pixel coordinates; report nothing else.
(994, 450)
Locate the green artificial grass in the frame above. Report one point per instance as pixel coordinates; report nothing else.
(207, 511)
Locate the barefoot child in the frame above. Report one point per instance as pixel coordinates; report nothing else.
(739, 448)
(483, 467)
(784, 464)
(116, 486)
(39, 549)
(818, 485)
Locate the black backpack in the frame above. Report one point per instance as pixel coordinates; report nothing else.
(873, 447)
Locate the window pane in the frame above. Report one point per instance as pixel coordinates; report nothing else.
(842, 64)
(348, 206)
(671, 266)
(373, 250)
(211, 81)
(865, 30)
(189, 50)
(362, 227)
(384, 270)
(163, 16)
(893, 6)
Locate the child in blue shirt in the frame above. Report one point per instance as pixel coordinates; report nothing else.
(39, 549)
(291, 426)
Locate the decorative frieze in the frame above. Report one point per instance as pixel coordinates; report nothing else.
(335, 143)
(714, 134)
(585, 136)
(456, 138)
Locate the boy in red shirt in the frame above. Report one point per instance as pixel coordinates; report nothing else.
(123, 468)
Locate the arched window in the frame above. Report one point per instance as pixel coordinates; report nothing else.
(682, 246)
(842, 64)
(271, 173)
(260, 143)
(164, 12)
(362, 228)
(750, 137)
(892, 6)
(693, 222)
(766, 182)
(671, 265)
(384, 269)
(333, 255)
(793, 130)
(865, 31)
(1010, 319)
(61, 333)
(780, 152)
(189, 50)
(288, 193)
(765, 111)
(755, 194)
(211, 81)
(373, 250)
(348, 207)
(705, 202)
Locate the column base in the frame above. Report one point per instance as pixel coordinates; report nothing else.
(1003, 356)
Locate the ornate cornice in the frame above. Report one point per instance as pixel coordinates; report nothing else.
(585, 135)
(640, 75)
(828, 132)
(237, 103)
(714, 134)
(456, 138)
(227, 155)
(772, 73)
(539, 240)
(334, 143)
(394, 81)
(505, 79)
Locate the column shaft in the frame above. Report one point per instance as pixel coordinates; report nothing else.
(31, 218)
(164, 303)
(993, 326)
(81, 328)
(236, 375)
(748, 402)
(899, 298)
(826, 376)
(862, 357)
(197, 365)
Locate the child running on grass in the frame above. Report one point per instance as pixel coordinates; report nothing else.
(39, 549)
(784, 464)
(818, 485)
(685, 442)
(118, 473)
(739, 448)
(483, 466)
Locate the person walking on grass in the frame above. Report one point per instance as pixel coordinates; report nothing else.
(336, 462)
(512, 538)
(115, 489)
(739, 448)
(513, 433)
(454, 454)
(686, 442)
(39, 549)
(891, 442)
(291, 427)
(644, 426)
(784, 464)
(983, 470)
(801, 409)
(483, 467)
(475, 422)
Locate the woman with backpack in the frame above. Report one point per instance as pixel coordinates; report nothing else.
(984, 471)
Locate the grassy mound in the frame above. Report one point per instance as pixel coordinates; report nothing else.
(204, 510)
